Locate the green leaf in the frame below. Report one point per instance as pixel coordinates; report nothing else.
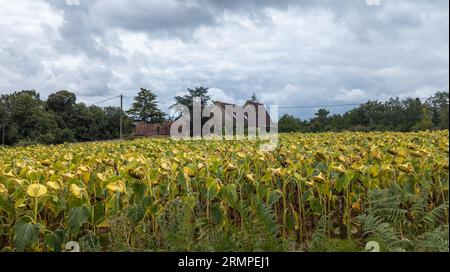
(7, 207)
(113, 203)
(231, 194)
(267, 217)
(343, 181)
(139, 191)
(288, 217)
(315, 205)
(212, 187)
(262, 191)
(99, 213)
(295, 218)
(25, 234)
(218, 214)
(77, 217)
(340, 182)
(136, 214)
(147, 201)
(54, 240)
(90, 243)
(273, 196)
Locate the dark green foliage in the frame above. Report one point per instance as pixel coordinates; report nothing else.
(25, 234)
(393, 115)
(145, 109)
(187, 101)
(289, 123)
(401, 227)
(177, 225)
(27, 119)
(437, 105)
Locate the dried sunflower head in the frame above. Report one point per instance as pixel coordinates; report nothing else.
(36, 190)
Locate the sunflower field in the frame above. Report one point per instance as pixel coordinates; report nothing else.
(315, 192)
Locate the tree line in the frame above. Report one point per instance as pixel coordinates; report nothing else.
(395, 114)
(27, 119)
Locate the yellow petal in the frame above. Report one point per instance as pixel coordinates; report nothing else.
(19, 181)
(230, 167)
(165, 166)
(83, 168)
(118, 186)
(75, 190)
(10, 174)
(277, 171)
(3, 190)
(320, 178)
(407, 168)
(68, 176)
(188, 172)
(101, 177)
(53, 185)
(339, 169)
(250, 177)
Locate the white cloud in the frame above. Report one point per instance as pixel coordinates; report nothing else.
(353, 95)
(218, 94)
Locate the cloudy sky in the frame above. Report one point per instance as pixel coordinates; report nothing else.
(290, 52)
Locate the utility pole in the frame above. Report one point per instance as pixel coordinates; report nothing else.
(121, 115)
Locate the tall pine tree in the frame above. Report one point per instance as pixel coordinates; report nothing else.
(145, 108)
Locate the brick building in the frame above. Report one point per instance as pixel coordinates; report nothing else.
(155, 129)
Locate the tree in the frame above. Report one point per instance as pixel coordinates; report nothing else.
(62, 101)
(112, 121)
(3, 119)
(438, 108)
(27, 120)
(425, 120)
(145, 108)
(187, 101)
(369, 115)
(319, 123)
(444, 118)
(289, 123)
(60, 119)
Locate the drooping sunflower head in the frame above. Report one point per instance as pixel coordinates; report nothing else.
(36, 190)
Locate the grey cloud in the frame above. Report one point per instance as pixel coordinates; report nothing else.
(289, 52)
(162, 17)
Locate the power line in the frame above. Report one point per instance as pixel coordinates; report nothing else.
(106, 100)
(121, 111)
(280, 107)
(317, 106)
(334, 105)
